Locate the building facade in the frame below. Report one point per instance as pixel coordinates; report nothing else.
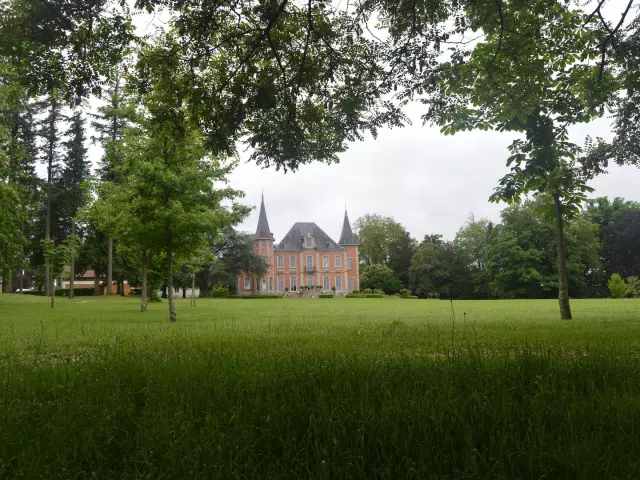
(305, 257)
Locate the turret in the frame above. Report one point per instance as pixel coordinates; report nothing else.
(347, 237)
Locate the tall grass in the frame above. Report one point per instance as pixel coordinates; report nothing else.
(383, 390)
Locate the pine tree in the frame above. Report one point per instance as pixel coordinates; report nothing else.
(75, 173)
(49, 132)
(110, 123)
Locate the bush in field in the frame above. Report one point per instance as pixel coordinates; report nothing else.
(405, 293)
(633, 283)
(220, 291)
(367, 291)
(378, 291)
(617, 287)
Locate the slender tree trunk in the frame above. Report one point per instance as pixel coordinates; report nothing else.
(110, 268)
(563, 278)
(47, 234)
(172, 306)
(72, 271)
(96, 281)
(193, 290)
(145, 274)
(52, 289)
(184, 291)
(20, 277)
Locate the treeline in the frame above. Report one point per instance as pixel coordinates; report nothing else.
(515, 258)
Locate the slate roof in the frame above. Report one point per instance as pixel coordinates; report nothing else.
(293, 240)
(347, 237)
(263, 232)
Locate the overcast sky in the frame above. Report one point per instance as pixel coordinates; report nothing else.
(428, 182)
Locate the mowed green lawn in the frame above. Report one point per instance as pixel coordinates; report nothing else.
(331, 388)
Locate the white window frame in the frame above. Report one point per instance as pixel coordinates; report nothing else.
(349, 263)
(338, 280)
(293, 283)
(309, 263)
(351, 283)
(280, 261)
(292, 261)
(264, 283)
(338, 261)
(310, 282)
(309, 242)
(325, 261)
(326, 283)
(281, 284)
(247, 283)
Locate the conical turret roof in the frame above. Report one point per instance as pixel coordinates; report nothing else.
(263, 232)
(347, 237)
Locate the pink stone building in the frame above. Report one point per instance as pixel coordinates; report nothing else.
(305, 257)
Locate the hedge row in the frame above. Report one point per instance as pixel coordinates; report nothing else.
(64, 292)
(252, 296)
(368, 295)
(327, 295)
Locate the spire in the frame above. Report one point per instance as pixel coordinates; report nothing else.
(263, 232)
(347, 237)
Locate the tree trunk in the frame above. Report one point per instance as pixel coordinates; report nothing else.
(52, 290)
(72, 271)
(21, 278)
(145, 273)
(96, 281)
(110, 268)
(184, 291)
(193, 290)
(563, 278)
(172, 306)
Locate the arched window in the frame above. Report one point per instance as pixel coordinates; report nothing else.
(326, 285)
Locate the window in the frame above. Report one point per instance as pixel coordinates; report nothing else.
(325, 284)
(352, 284)
(280, 262)
(309, 242)
(271, 284)
(281, 284)
(293, 284)
(338, 261)
(262, 244)
(338, 284)
(349, 264)
(325, 261)
(247, 283)
(310, 281)
(264, 283)
(309, 262)
(292, 261)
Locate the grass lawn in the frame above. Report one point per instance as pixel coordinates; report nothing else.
(328, 388)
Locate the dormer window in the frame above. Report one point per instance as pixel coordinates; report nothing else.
(309, 242)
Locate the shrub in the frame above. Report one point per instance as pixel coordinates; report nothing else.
(354, 295)
(356, 291)
(247, 297)
(617, 287)
(220, 291)
(396, 295)
(633, 284)
(367, 291)
(327, 295)
(405, 293)
(135, 292)
(378, 291)
(375, 295)
(77, 292)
